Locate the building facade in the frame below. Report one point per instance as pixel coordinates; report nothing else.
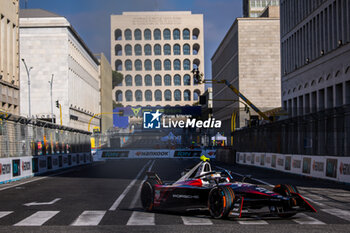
(254, 8)
(156, 51)
(50, 45)
(9, 58)
(105, 71)
(315, 67)
(249, 59)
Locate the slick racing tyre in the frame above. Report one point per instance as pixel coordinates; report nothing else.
(286, 190)
(147, 194)
(220, 201)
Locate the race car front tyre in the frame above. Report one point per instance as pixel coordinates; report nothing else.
(147, 194)
(286, 190)
(220, 201)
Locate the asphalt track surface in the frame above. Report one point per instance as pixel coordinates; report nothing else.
(104, 197)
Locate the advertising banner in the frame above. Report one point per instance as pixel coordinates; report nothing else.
(318, 166)
(344, 169)
(187, 153)
(115, 154)
(331, 167)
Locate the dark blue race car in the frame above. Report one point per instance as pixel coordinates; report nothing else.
(200, 188)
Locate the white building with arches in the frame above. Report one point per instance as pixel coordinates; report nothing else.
(156, 52)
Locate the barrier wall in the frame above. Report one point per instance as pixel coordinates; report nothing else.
(145, 153)
(325, 167)
(15, 168)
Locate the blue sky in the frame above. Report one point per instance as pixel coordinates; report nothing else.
(91, 18)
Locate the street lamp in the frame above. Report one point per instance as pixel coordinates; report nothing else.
(28, 74)
(51, 83)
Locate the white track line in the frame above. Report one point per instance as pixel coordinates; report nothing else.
(196, 221)
(121, 197)
(89, 218)
(37, 219)
(5, 213)
(344, 214)
(137, 195)
(253, 222)
(305, 219)
(141, 219)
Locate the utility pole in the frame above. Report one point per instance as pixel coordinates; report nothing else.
(51, 83)
(28, 74)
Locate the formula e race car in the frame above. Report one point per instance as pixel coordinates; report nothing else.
(200, 188)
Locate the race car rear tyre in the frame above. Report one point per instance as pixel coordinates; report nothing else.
(220, 201)
(147, 194)
(286, 190)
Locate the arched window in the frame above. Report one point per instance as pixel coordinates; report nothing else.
(166, 34)
(167, 95)
(128, 65)
(138, 50)
(157, 34)
(118, 34)
(187, 49)
(148, 95)
(167, 49)
(177, 64)
(137, 34)
(196, 63)
(138, 96)
(167, 64)
(148, 50)
(167, 80)
(195, 49)
(187, 80)
(186, 34)
(176, 34)
(177, 49)
(118, 50)
(128, 96)
(118, 65)
(195, 33)
(119, 96)
(148, 65)
(128, 50)
(177, 80)
(147, 34)
(127, 34)
(138, 80)
(157, 64)
(196, 94)
(138, 65)
(187, 64)
(128, 80)
(158, 95)
(157, 49)
(187, 95)
(157, 80)
(148, 80)
(177, 95)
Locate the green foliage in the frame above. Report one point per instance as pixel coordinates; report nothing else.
(117, 78)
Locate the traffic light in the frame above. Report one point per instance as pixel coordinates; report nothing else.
(57, 104)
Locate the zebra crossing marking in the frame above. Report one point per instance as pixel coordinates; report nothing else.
(196, 221)
(305, 219)
(37, 219)
(141, 219)
(89, 218)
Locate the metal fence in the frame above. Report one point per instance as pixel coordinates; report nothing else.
(326, 132)
(20, 136)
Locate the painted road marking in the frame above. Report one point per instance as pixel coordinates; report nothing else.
(5, 213)
(305, 219)
(89, 218)
(253, 222)
(137, 195)
(141, 219)
(196, 221)
(121, 197)
(43, 203)
(37, 219)
(344, 214)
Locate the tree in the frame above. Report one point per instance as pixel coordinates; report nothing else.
(117, 78)
(116, 105)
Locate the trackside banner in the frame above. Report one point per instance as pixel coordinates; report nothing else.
(325, 167)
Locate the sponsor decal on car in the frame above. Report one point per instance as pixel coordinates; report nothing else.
(185, 196)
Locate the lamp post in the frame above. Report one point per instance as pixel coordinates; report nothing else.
(51, 83)
(28, 74)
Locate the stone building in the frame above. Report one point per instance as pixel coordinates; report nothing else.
(9, 59)
(254, 8)
(50, 45)
(248, 58)
(156, 51)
